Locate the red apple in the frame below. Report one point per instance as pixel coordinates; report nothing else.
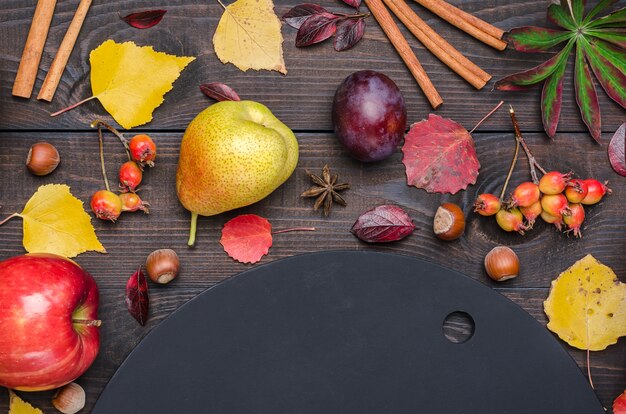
(48, 322)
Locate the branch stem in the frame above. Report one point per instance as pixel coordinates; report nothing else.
(487, 116)
(294, 229)
(98, 123)
(532, 162)
(72, 106)
(9, 218)
(104, 171)
(508, 176)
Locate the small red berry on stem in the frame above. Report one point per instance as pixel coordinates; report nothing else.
(575, 219)
(531, 213)
(525, 195)
(511, 220)
(106, 205)
(576, 191)
(130, 176)
(555, 204)
(142, 149)
(554, 182)
(132, 202)
(595, 191)
(487, 204)
(550, 219)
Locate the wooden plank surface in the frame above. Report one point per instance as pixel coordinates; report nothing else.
(302, 100)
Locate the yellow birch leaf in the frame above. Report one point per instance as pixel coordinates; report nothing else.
(587, 305)
(248, 36)
(130, 80)
(55, 222)
(19, 406)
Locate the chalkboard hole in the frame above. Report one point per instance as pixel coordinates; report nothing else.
(458, 327)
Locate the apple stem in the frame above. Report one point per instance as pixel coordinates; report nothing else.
(9, 218)
(88, 322)
(192, 230)
(72, 106)
(294, 229)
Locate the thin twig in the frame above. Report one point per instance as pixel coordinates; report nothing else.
(294, 229)
(104, 171)
(508, 176)
(9, 218)
(72, 106)
(487, 116)
(532, 162)
(115, 132)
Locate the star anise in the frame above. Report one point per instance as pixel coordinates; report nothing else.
(326, 190)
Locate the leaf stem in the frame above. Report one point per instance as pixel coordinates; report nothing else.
(511, 168)
(88, 322)
(97, 123)
(221, 4)
(532, 162)
(9, 218)
(353, 16)
(589, 367)
(192, 229)
(487, 116)
(294, 229)
(72, 106)
(104, 171)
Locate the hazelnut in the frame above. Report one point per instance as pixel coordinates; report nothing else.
(449, 223)
(501, 264)
(42, 158)
(69, 399)
(162, 265)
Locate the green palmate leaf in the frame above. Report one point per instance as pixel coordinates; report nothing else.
(616, 55)
(560, 16)
(611, 77)
(537, 74)
(615, 36)
(616, 18)
(586, 96)
(603, 4)
(537, 39)
(551, 95)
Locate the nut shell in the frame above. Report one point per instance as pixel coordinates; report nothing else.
(501, 264)
(69, 399)
(162, 265)
(449, 222)
(42, 159)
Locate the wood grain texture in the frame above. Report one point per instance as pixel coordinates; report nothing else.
(302, 98)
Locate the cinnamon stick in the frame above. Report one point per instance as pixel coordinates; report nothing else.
(382, 16)
(438, 45)
(29, 64)
(473, 20)
(457, 17)
(57, 68)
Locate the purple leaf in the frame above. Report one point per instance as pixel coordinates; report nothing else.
(537, 39)
(349, 32)
(299, 14)
(586, 96)
(353, 3)
(616, 150)
(137, 296)
(383, 224)
(219, 91)
(315, 29)
(144, 19)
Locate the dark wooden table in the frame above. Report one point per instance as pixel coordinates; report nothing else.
(302, 100)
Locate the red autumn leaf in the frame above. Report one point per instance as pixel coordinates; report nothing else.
(353, 3)
(219, 92)
(144, 19)
(137, 296)
(316, 28)
(247, 238)
(382, 224)
(349, 32)
(616, 150)
(439, 156)
(619, 405)
(296, 16)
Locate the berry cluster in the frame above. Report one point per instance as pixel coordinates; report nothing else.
(141, 151)
(557, 199)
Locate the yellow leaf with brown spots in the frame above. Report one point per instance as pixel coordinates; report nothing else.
(587, 305)
(19, 406)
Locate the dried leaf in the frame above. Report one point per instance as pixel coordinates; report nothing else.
(619, 405)
(439, 156)
(587, 305)
(616, 150)
(137, 296)
(219, 92)
(130, 80)
(55, 222)
(297, 15)
(537, 39)
(349, 32)
(382, 224)
(144, 19)
(316, 29)
(353, 3)
(247, 238)
(248, 36)
(19, 406)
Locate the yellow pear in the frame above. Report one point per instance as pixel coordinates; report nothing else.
(233, 154)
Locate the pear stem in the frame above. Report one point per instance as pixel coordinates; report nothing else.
(73, 106)
(88, 322)
(9, 218)
(294, 229)
(192, 230)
